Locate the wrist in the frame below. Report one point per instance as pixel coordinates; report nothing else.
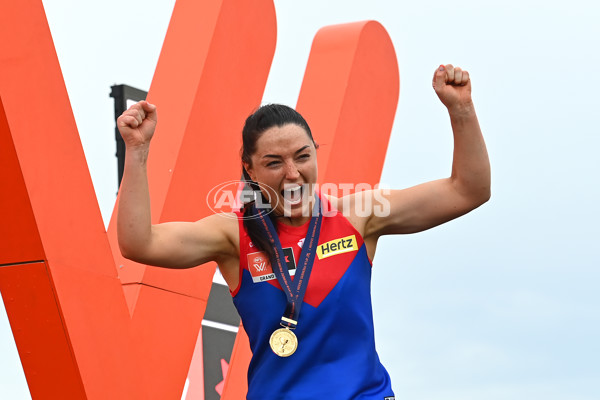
(138, 153)
(462, 111)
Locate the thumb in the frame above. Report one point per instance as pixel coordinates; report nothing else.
(439, 78)
(150, 110)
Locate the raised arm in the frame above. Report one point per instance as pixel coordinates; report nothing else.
(424, 206)
(173, 244)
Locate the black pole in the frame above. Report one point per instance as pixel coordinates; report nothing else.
(121, 94)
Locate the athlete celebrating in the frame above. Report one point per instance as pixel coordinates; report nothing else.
(312, 336)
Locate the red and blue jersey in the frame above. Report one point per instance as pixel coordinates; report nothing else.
(336, 357)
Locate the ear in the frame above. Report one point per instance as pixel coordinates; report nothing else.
(250, 171)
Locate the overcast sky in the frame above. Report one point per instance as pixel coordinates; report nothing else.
(500, 304)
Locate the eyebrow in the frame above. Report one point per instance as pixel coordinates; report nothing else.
(278, 156)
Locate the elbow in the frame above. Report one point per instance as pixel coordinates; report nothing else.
(126, 252)
(486, 195)
(131, 252)
(473, 194)
(132, 245)
(482, 196)
(475, 197)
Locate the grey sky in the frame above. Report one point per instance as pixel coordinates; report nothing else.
(499, 304)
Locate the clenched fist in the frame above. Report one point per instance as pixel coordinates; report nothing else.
(453, 87)
(137, 124)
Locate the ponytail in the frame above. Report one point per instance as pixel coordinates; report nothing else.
(251, 223)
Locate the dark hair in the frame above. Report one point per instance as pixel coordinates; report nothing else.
(264, 118)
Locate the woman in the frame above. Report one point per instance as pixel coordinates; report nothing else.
(299, 271)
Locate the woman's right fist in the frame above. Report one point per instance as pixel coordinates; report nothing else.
(137, 124)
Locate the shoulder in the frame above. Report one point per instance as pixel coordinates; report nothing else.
(220, 221)
(361, 208)
(223, 227)
(225, 222)
(347, 206)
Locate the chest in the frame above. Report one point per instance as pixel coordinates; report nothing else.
(337, 248)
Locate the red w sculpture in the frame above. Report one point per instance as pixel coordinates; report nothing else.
(88, 323)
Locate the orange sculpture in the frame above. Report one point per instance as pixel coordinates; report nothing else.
(89, 324)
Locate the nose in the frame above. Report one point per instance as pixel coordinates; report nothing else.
(291, 171)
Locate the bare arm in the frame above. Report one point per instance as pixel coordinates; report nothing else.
(424, 206)
(171, 245)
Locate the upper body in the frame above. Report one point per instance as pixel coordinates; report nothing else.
(286, 155)
(280, 157)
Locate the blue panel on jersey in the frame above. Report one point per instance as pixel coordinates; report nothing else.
(336, 355)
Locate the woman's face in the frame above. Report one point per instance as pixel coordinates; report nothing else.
(285, 165)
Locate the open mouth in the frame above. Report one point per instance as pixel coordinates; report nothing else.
(292, 194)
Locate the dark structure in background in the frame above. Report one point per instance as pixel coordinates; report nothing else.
(219, 330)
(221, 320)
(121, 94)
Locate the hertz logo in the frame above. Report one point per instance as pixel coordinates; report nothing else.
(337, 246)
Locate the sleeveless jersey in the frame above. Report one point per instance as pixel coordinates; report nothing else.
(336, 357)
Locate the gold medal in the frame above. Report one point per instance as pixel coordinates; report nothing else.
(283, 342)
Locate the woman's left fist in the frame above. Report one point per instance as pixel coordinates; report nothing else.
(453, 86)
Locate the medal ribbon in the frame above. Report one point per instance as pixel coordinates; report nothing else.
(294, 290)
